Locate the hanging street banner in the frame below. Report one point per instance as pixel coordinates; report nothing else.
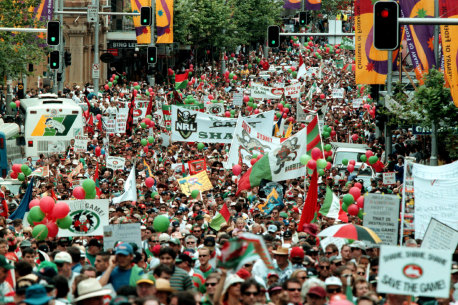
(249, 141)
(414, 271)
(88, 216)
(381, 216)
(192, 126)
(115, 163)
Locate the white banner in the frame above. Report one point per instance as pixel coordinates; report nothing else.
(338, 93)
(357, 102)
(126, 232)
(294, 91)
(214, 108)
(237, 99)
(80, 145)
(302, 116)
(109, 124)
(381, 215)
(260, 91)
(115, 163)
(247, 142)
(193, 126)
(414, 271)
(88, 217)
(440, 236)
(436, 195)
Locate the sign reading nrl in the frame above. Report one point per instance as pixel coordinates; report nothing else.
(186, 123)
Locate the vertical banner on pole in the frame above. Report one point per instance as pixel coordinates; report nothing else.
(142, 32)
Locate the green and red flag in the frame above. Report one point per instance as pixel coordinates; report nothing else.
(181, 81)
(220, 218)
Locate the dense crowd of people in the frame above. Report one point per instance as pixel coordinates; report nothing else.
(180, 266)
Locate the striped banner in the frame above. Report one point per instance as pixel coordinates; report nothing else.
(143, 33)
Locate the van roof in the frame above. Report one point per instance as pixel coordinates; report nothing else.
(353, 146)
(46, 101)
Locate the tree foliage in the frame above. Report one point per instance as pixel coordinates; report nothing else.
(19, 48)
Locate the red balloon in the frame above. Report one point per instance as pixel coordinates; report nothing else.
(16, 168)
(328, 166)
(360, 202)
(34, 203)
(135, 84)
(333, 133)
(211, 97)
(260, 156)
(350, 168)
(316, 153)
(149, 182)
(311, 164)
(227, 114)
(359, 185)
(60, 210)
(106, 87)
(236, 169)
(202, 77)
(47, 204)
(280, 106)
(13, 175)
(354, 137)
(53, 229)
(353, 210)
(145, 149)
(79, 192)
(322, 96)
(355, 192)
(285, 110)
(291, 119)
(256, 111)
(352, 162)
(98, 116)
(246, 99)
(98, 151)
(253, 161)
(369, 154)
(302, 125)
(147, 121)
(285, 115)
(293, 68)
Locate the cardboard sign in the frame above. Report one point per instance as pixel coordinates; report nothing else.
(115, 163)
(338, 93)
(414, 271)
(357, 102)
(389, 178)
(80, 145)
(199, 182)
(126, 232)
(381, 216)
(197, 166)
(237, 99)
(440, 236)
(89, 216)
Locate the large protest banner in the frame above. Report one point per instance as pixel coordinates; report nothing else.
(440, 236)
(198, 182)
(436, 195)
(414, 271)
(192, 126)
(249, 141)
(115, 163)
(260, 91)
(88, 217)
(381, 215)
(126, 232)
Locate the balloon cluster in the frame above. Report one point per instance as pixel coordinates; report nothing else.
(98, 151)
(353, 202)
(251, 105)
(370, 159)
(87, 191)
(328, 131)
(295, 41)
(328, 152)
(46, 217)
(20, 171)
(349, 164)
(147, 122)
(15, 104)
(315, 161)
(113, 81)
(284, 109)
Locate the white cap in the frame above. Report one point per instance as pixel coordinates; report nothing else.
(63, 257)
(333, 280)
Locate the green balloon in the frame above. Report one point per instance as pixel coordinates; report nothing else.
(28, 172)
(90, 195)
(321, 163)
(115, 82)
(345, 161)
(373, 160)
(252, 99)
(348, 199)
(321, 172)
(249, 66)
(294, 74)
(288, 106)
(329, 158)
(345, 207)
(150, 139)
(231, 75)
(161, 223)
(137, 87)
(326, 134)
(117, 77)
(21, 177)
(189, 73)
(363, 158)
(64, 223)
(40, 232)
(325, 127)
(255, 106)
(200, 146)
(147, 93)
(143, 124)
(24, 168)
(194, 193)
(36, 215)
(250, 104)
(110, 84)
(232, 112)
(89, 186)
(254, 156)
(13, 105)
(153, 194)
(149, 116)
(305, 159)
(144, 142)
(327, 147)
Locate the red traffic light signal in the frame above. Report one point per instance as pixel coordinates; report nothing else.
(386, 25)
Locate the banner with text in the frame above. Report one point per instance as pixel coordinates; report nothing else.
(381, 216)
(88, 217)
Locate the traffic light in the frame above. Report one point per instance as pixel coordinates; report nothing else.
(145, 15)
(152, 55)
(53, 33)
(303, 18)
(386, 25)
(68, 58)
(54, 60)
(273, 36)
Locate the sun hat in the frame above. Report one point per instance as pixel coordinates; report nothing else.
(90, 288)
(231, 280)
(163, 285)
(36, 295)
(281, 251)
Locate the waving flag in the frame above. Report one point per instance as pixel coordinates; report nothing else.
(292, 4)
(419, 37)
(164, 21)
(371, 64)
(142, 32)
(449, 34)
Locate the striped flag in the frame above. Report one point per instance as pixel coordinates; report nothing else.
(220, 218)
(181, 81)
(331, 207)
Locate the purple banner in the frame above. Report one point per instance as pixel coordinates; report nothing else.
(44, 11)
(292, 4)
(312, 5)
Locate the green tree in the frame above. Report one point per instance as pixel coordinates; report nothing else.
(17, 49)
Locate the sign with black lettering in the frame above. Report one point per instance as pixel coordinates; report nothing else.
(414, 271)
(381, 216)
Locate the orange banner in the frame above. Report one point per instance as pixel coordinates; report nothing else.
(449, 35)
(164, 21)
(143, 33)
(371, 64)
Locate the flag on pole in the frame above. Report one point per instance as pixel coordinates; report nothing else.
(331, 207)
(24, 205)
(310, 205)
(130, 117)
(181, 81)
(130, 189)
(220, 218)
(301, 69)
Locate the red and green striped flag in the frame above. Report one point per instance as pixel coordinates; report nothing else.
(181, 81)
(314, 136)
(220, 218)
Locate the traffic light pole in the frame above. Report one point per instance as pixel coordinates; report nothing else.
(433, 158)
(152, 80)
(95, 79)
(60, 84)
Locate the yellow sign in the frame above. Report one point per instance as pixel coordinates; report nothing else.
(198, 181)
